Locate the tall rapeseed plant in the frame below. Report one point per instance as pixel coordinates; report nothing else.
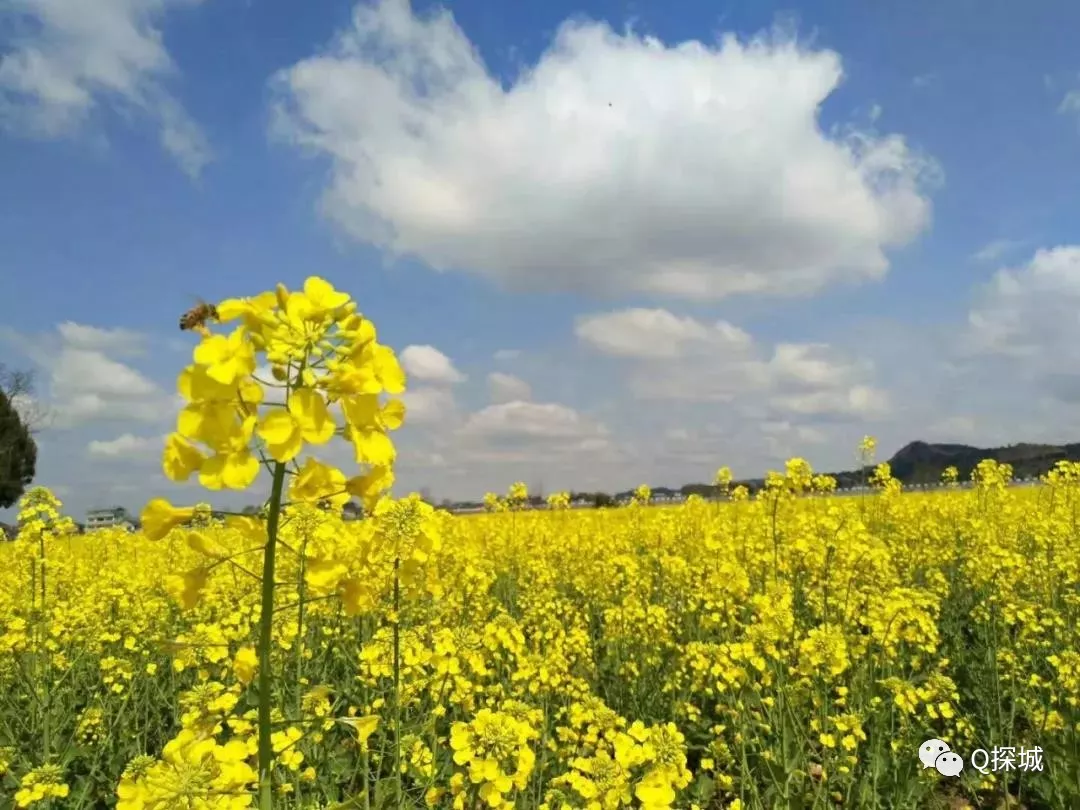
(40, 523)
(327, 378)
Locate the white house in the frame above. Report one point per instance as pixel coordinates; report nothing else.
(107, 518)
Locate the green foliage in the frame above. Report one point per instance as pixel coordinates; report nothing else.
(18, 453)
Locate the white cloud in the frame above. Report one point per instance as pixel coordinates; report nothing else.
(65, 59)
(958, 428)
(782, 440)
(422, 459)
(656, 334)
(678, 434)
(86, 384)
(428, 364)
(809, 434)
(504, 355)
(811, 364)
(995, 250)
(805, 379)
(684, 359)
(79, 371)
(615, 164)
(522, 439)
(1070, 103)
(514, 420)
(1023, 327)
(1030, 311)
(469, 454)
(503, 388)
(127, 446)
(428, 406)
(95, 338)
(858, 400)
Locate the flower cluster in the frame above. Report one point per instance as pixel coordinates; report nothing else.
(517, 496)
(322, 357)
(41, 784)
(558, 500)
(648, 763)
(194, 771)
(494, 749)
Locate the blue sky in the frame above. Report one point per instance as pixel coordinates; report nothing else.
(672, 250)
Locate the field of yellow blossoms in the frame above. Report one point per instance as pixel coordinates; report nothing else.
(787, 650)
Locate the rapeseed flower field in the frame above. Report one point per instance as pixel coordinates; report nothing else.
(791, 649)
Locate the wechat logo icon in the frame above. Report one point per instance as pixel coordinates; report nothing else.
(937, 754)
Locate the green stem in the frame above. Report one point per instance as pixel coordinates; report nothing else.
(266, 623)
(367, 786)
(301, 592)
(43, 632)
(41, 545)
(397, 682)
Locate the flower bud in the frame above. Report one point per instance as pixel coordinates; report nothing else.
(345, 312)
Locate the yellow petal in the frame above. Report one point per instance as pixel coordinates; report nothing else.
(180, 459)
(309, 409)
(250, 391)
(212, 350)
(193, 384)
(232, 308)
(159, 517)
(356, 596)
(245, 664)
(198, 541)
(287, 450)
(393, 414)
(389, 370)
(277, 427)
(323, 294)
(240, 470)
(372, 447)
(194, 582)
(361, 410)
(210, 474)
(189, 422)
(299, 307)
(363, 726)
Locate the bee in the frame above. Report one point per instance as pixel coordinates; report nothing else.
(195, 318)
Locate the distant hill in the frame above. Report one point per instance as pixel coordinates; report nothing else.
(922, 463)
(916, 463)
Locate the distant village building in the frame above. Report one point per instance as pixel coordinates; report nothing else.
(674, 497)
(108, 518)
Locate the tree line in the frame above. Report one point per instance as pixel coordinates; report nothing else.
(20, 419)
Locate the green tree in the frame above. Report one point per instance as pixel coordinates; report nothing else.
(18, 451)
(602, 500)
